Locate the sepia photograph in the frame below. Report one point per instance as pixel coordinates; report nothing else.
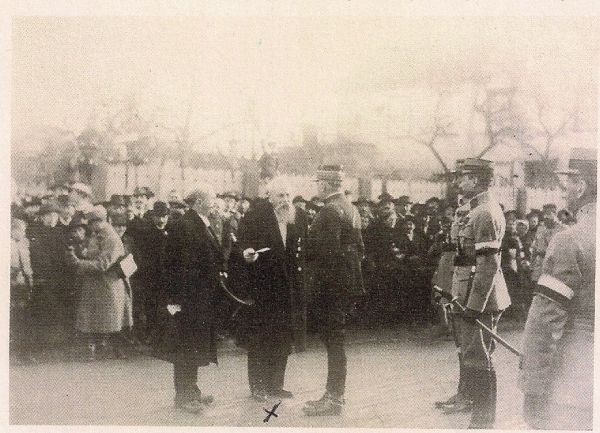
(341, 220)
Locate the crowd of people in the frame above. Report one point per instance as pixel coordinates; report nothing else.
(54, 301)
(173, 275)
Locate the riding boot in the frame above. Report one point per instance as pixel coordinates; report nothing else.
(460, 392)
(484, 399)
(464, 397)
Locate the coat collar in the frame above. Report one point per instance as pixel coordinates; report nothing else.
(479, 199)
(195, 218)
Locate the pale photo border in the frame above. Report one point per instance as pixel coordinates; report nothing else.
(405, 9)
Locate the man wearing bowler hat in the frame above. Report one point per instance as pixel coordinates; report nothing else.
(557, 367)
(335, 248)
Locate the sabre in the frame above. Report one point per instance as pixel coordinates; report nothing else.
(454, 301)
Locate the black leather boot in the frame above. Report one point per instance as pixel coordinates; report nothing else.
(484, 400)
(459, 402)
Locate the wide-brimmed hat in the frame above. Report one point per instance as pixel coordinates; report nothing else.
(117, 200)
(160, 209)
(143, 191)
(177, 204)
(403, 199)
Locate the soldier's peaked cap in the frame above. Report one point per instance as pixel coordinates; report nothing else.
(582, 162)
(475, 165)
(331, 172)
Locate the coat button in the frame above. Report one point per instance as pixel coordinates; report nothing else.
(299, 268)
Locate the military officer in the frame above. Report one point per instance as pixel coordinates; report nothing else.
(486, 292)
(557, 368)
(463, 264)
(335, 250)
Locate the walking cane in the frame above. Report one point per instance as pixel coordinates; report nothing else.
(441, 293)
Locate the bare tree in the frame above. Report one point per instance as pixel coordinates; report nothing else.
(429, 137)
(503, 123)
(548, 133)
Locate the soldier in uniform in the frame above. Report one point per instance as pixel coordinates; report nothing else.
(463, 263)
(335, 249)
(480, 236)
(557, 368)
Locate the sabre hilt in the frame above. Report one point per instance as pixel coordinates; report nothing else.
(454, 301)
(440, 293)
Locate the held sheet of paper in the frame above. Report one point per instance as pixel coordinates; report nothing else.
(327, 215)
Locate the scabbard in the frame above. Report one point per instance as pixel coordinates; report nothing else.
(482, 325)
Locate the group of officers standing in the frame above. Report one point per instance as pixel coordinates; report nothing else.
(556, 366)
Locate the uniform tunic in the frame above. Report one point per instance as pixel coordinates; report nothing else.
(558, 365)
(462, 262)
(487, 295)
(539, 246)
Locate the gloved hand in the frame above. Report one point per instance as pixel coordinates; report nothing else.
(469, 313)
(173, 308)
(250, 256)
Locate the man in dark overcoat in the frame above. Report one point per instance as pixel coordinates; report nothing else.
(46, 252)
(194, 261)
(151, 257)
(137, 225)
(335, 250)
(275, 282)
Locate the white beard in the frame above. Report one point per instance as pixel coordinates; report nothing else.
(285, 213)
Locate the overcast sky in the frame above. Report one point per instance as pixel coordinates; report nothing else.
(283, 71)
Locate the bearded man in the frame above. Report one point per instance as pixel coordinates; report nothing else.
(270, 238)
